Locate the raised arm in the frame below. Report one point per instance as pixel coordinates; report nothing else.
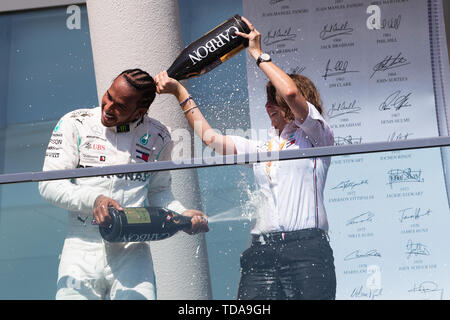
(220, 143)
(284, 85)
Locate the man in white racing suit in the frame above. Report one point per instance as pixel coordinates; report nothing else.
(118, 132)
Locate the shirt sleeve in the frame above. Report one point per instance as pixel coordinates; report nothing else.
(317, 130)
(160, 192)
(62, 154)
(244, 145)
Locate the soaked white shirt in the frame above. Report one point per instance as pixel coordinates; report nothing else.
(291, 191)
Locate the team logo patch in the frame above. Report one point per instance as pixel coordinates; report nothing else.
(144, 139)
(142, 155)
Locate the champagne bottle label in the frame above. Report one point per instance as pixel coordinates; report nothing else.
(143, 224)
(137, 215)
(209, 51)
(232, 53)
(213, 45)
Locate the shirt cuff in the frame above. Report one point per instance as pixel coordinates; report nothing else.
(176, 206)
(313, 115)
(241, 144)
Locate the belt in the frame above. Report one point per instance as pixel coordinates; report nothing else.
(302, 234)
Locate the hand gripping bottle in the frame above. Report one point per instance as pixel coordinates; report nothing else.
(143, 224)
(209, 51)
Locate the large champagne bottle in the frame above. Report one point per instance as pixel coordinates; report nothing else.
(209, 51)
(143, 224)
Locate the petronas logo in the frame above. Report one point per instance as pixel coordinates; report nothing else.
(144, 139)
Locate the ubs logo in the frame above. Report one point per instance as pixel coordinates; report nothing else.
(95, 146)
(98, 147)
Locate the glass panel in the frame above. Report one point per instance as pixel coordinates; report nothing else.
(388, 213)
(32, 232)
(47, 70)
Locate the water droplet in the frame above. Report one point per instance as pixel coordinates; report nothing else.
(197, 251)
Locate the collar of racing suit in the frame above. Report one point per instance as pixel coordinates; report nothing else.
(127, 127)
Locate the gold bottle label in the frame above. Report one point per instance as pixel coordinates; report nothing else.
(232, 53)
(137, 215)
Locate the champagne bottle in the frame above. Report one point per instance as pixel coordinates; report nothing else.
(143, 224)
(209, 51)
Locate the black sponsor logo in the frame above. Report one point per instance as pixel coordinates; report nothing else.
(52, 154)
(136, 176)
(55, 141)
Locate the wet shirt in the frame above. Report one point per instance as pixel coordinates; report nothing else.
(291, 191)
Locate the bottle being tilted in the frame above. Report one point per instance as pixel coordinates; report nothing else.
(209, 51)
(143, 224)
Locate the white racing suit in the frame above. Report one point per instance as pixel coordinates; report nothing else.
(91, 268)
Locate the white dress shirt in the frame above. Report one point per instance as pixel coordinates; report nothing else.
(291, 191)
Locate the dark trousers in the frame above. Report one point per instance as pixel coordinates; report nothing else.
(295, 265)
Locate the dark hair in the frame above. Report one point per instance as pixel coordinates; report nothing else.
(144, 83)
(306, 87)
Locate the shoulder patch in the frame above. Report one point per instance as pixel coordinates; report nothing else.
(81, 115)
(159, 127)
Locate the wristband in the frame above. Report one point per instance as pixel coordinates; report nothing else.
(182, 103)
(186, 111)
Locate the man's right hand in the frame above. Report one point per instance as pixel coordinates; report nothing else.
(101, 214)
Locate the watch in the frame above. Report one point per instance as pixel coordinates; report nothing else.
(263, 57)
